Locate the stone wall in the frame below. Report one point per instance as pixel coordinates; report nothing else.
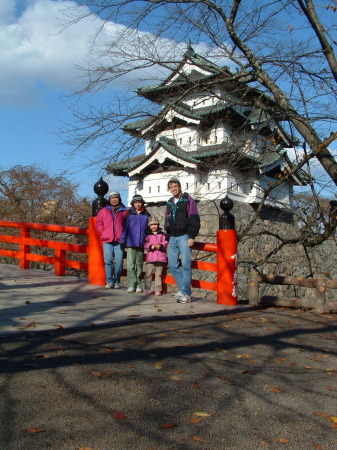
(291, 260)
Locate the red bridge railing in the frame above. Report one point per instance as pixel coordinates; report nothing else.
(94, 251)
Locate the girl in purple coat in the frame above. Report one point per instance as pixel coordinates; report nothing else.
(156, 257)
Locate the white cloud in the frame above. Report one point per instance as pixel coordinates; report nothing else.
(35, 49)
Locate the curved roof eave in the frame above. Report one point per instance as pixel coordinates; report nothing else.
(168, 151)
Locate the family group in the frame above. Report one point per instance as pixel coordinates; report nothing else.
(135, 230)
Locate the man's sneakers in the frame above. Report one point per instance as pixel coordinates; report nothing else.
(184, 299)
(130, 289)
(112, 285)
(139, 290)
(181, 298)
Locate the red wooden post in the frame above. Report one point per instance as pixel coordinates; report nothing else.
(60, 256)
(24, 249)
(227, 256)
(96, 269)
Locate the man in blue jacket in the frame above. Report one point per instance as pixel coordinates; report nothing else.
(182, 224)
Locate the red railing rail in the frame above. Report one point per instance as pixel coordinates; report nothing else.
(26, 242)
(94, 249)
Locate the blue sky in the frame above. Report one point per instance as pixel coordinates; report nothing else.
(37, 63)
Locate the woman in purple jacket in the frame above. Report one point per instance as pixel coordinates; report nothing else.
(156, 257)
(133, 237)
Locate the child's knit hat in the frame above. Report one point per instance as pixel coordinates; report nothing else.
(153, 221)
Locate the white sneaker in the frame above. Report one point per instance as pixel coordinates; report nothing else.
(130, 289)
(139, 290)
(177, 295)
(109, 285)
(184, 299)
(117, 286)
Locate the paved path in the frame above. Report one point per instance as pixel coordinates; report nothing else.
(36, 300)
(234, 379)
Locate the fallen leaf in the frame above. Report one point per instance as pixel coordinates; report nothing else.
(31, 324)
(198, 438)
(318, 447)
(283, 440)
(96, 374)
(333, 419)
(265, 444)
(176, 378)
(86, 448)
(118, 415)
(274, 389)
(321, 414)
(158, 365)
(111, 350)
(35, 430)
(168, 425)
(195, 420)
(201, 414)
(228, 381)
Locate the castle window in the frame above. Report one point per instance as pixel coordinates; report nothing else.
(208, 186)
(219, 185)
(149, 189)
(158, 188)
(186, 185)
(199, 140)
(189, 139)
(180, 141)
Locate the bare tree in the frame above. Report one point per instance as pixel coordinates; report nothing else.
(29, 194)
(282, 51)
(285, 48)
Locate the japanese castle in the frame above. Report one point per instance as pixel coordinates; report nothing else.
(211, 135)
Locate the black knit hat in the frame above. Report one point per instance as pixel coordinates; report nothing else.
(137, 198)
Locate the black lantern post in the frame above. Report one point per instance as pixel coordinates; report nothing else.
(100, 188)
(226, 220)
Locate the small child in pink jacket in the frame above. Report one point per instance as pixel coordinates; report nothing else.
(156, 257)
